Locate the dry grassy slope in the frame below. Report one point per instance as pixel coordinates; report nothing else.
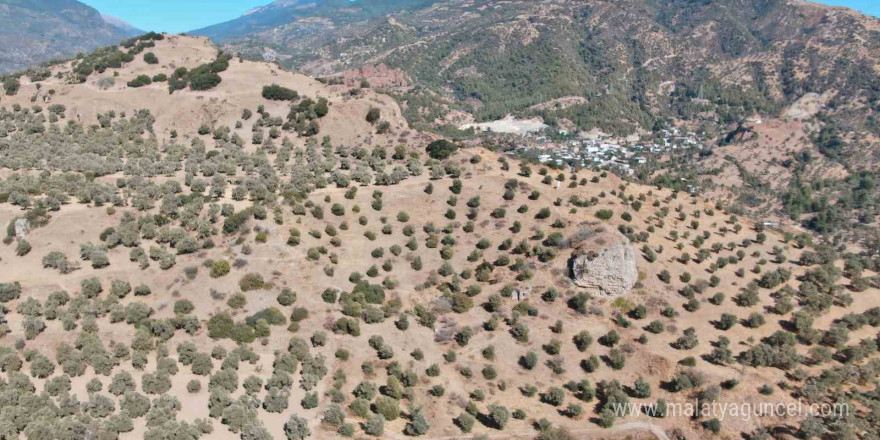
(768, 144)
(186, 110)
(287, 266)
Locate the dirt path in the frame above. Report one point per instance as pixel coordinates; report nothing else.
(584, 433)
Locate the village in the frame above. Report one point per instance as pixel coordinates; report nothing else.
(623, 155)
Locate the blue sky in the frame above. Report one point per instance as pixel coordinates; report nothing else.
(174, 16)
(870, 7)
(185, 15)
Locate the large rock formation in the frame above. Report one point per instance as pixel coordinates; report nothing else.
(605, 261)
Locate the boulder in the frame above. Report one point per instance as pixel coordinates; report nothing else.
(605, 262)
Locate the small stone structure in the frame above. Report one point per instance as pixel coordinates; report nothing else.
(605, 261)
(21, 228)
(522, 293)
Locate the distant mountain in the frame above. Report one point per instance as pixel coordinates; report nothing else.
(121, 24)
(33, 31)
(280, 14)
(619, 65)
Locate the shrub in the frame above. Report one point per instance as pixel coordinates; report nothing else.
(91, 287)
(271, 315)
(275, 92)
(155, 383)
(183, 306)
(582, 340)
(251, 281)
(441, 149)
(465, 422)
(498, 416)
(296, 428)
(220, 326)
(219, 268)
(140, 81)
(120, 288)
(150, 58)
(713, 425)
(41, 367)
(373, 293)
(135, 404)
(11, 85)
(417, 425)
(286, 297)
(23, 248)
(387, 407)
(58, 261)
(375, 426)
(373, 115)
(203, 81)
(9, 291)
(334, 415)
(194, 386)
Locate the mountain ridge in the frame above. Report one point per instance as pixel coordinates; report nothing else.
(120, 23)
(35, 31)
(490, 58)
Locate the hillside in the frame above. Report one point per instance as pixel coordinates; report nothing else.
(186, 110)
(33, 31)
(403, 286)
(634, 64)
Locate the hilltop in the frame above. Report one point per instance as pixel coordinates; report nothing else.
(186, 110)
(200, 246)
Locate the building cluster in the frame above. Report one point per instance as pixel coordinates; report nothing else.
(607, 151)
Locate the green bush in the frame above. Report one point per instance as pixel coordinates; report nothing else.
(9, 291)
(275, 92)
(11, 85)
(271, 315)
(465, 422)
(498, 416)
(286, 297)
(140, 81)
(219, 268)
(251, 281)
(373, 293)
(91, 287)
(220, 326)
(296, 428)
(604, 214)
(204, 81)
(441, 149)
(387, 407)
(373, 115)
(23, 248)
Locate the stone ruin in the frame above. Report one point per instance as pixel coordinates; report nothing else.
(521, 294)
(604, 262)
(21, 228)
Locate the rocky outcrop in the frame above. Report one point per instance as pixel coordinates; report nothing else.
(380, 76)
(605, 262)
